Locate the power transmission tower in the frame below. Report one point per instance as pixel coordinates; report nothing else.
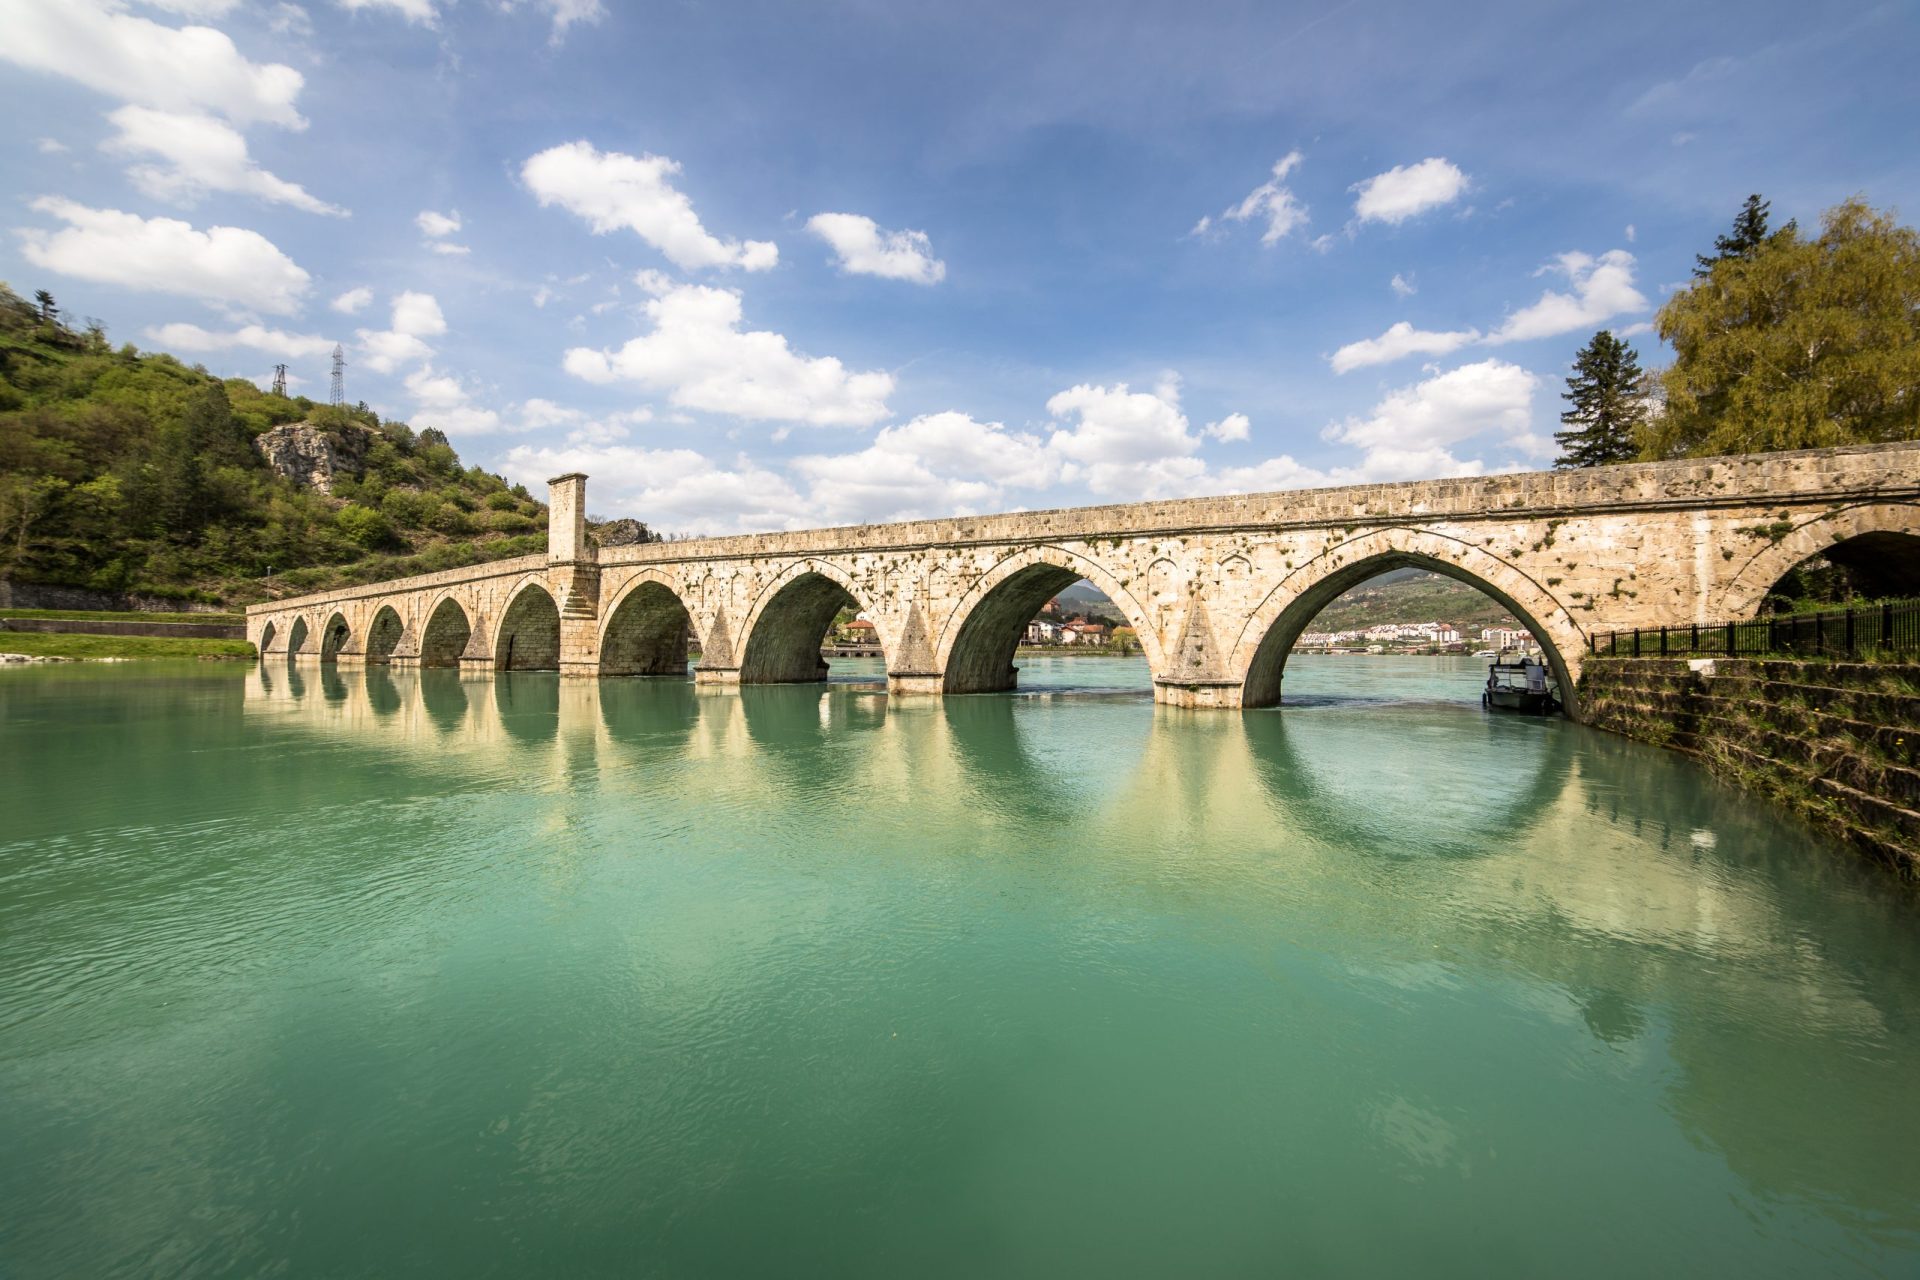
(339, 375)
(280, 381)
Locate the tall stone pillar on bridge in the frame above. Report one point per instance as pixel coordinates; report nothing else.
(574, 569)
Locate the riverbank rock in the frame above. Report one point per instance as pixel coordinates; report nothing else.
(623, 533)
(312, 456)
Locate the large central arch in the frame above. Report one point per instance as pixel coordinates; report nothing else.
(1260, 655)
(976, 649)
(646, 633)
(529, 635)
(296, 637)
(789, 622)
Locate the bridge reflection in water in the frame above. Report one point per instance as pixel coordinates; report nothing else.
(1414, 853)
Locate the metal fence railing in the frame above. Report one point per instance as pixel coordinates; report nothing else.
(1889, 626)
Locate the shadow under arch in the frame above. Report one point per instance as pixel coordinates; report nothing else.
(788, 626)
(528, 638)
(1878, 543)
(1446, 782)
(528, 705)
(1260, 656)
(976, 649)
(383, 634)
(267, 634)
(646, 633)
(296, 637)
(446, 634)
(333, 635)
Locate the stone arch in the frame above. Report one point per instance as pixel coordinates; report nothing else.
(446, 633)
(334, 636)
(267, 634)
(1873, 531)
(976, 646)
(781, 637)
(383, 634)
(647, 630)
(528, 637)
(297, 632)
(1260, 655)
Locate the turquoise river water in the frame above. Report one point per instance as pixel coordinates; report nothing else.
(307, 972)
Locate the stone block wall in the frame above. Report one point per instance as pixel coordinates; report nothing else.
(1837, 743)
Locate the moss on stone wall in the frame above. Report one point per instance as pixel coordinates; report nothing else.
(1837, 743)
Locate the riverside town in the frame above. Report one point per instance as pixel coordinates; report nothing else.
(916, 640)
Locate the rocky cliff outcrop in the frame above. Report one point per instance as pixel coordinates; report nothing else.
(622, 533)
(312, 456)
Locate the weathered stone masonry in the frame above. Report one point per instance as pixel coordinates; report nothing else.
(1217, 588)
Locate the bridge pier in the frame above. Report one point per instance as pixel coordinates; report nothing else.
(1224, 695)
(716, 675)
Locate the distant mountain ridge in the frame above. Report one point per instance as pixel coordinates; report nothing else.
(1398, 595)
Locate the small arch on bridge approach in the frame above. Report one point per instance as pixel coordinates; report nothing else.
(1260, 657)
(646, 632)
(1872, 548)
(789, 623)
(446, 634)
(528, 638)
(296, 637)
(977, 646)
(383, 634)
(333, 635)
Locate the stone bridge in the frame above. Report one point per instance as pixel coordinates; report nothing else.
(1218, 589)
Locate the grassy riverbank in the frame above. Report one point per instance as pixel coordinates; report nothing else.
(38, 645)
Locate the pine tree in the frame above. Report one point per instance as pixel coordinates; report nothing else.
(49, 314)
(1607, 401)
(1749, 233)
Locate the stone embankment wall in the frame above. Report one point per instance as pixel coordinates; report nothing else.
(129, 627)
(1836, 742)
(40, 595)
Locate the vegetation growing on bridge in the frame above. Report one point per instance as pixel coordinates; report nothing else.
(130, 471)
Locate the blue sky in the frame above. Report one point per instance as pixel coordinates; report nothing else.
(776, 265)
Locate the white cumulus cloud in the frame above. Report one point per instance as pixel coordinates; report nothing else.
(1402, 286)
(225, 265)
(191, 69)
(1271, 200)
(1400, 339)
(415, 317)
(352, 300)
(1235, 426)
(191, 337)
(1408, 190)
(612, 190)
(436, 225)
(198, 154)
(1411, 432)
(1125, 444)
(863, 248)
(1601, 288)
(675, 490)
(700, 357)
(937, 464)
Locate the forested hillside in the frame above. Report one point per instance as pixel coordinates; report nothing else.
(126, 471)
